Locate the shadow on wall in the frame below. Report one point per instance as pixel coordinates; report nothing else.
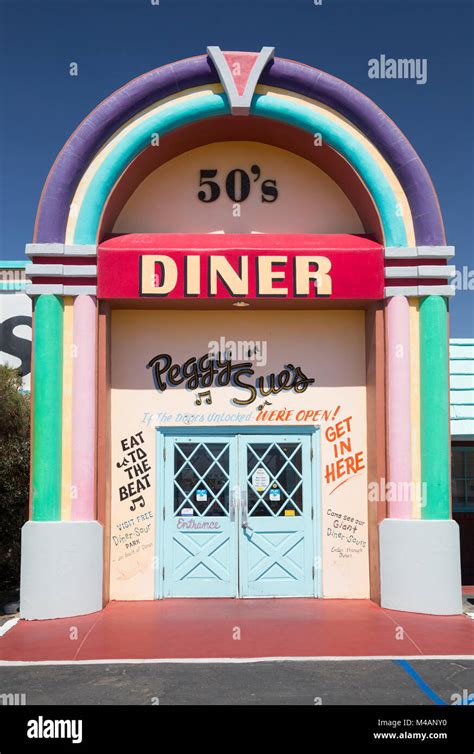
(329, 347)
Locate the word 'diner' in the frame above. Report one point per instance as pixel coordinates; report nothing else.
(272, 275)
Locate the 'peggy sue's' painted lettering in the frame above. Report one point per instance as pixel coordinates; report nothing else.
(206, 371)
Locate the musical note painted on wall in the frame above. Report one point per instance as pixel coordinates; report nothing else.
(135, 501)
(207, 395)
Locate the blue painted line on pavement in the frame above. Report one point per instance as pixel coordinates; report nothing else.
(420, 682)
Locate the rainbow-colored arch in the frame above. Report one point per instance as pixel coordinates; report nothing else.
(188, 91)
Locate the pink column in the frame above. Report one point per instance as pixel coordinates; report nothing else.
(399, 467)
(84, 408)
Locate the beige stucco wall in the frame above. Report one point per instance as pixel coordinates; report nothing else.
(308, 200)
(329, 347)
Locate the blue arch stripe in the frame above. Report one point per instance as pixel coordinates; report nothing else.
(267, 106)
(135, 142)
(356, 154)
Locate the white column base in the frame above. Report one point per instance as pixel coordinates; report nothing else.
(420, 566)
(61, 569)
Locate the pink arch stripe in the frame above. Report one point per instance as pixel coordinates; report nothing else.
(398, 406)
(84, 409)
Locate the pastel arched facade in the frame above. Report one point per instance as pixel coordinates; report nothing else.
(248, 181)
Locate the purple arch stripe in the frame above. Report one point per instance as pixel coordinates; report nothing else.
(143, 91)
(379, 129)
(102, 122)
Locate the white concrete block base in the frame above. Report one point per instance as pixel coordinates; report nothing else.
(420, 566)
(61, 569)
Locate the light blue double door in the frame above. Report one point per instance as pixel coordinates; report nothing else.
(238, 515)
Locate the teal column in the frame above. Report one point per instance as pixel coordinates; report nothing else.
(434, 407)
(47, 408)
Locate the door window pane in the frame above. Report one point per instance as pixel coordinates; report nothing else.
(275, 480)
(201, 479)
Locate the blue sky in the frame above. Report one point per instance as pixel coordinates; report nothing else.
(115, 40)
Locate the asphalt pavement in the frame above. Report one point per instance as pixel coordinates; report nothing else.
(374, 682)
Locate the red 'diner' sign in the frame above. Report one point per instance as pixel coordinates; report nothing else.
(240, 267)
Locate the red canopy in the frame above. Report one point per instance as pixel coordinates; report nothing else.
(241, 266)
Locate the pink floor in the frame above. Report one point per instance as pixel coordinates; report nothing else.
(210, 628)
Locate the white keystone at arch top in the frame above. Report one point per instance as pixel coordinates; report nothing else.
(240, 103)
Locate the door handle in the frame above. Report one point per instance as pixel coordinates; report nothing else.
(244, 509)
(234, 503)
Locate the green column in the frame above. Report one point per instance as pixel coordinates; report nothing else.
(47, 408)
(434, 407)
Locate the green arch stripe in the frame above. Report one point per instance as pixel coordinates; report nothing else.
(267, 106)
(434, 407)
(47, 408)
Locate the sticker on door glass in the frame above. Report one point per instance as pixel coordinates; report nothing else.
(275, 495)
(187, 511)
(260, 480)
(201, 496)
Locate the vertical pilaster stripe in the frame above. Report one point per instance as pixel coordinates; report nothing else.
(399, 465)
(47, 408)
(84, 385)
(68, 360)
(417, 501)
(434, 406)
